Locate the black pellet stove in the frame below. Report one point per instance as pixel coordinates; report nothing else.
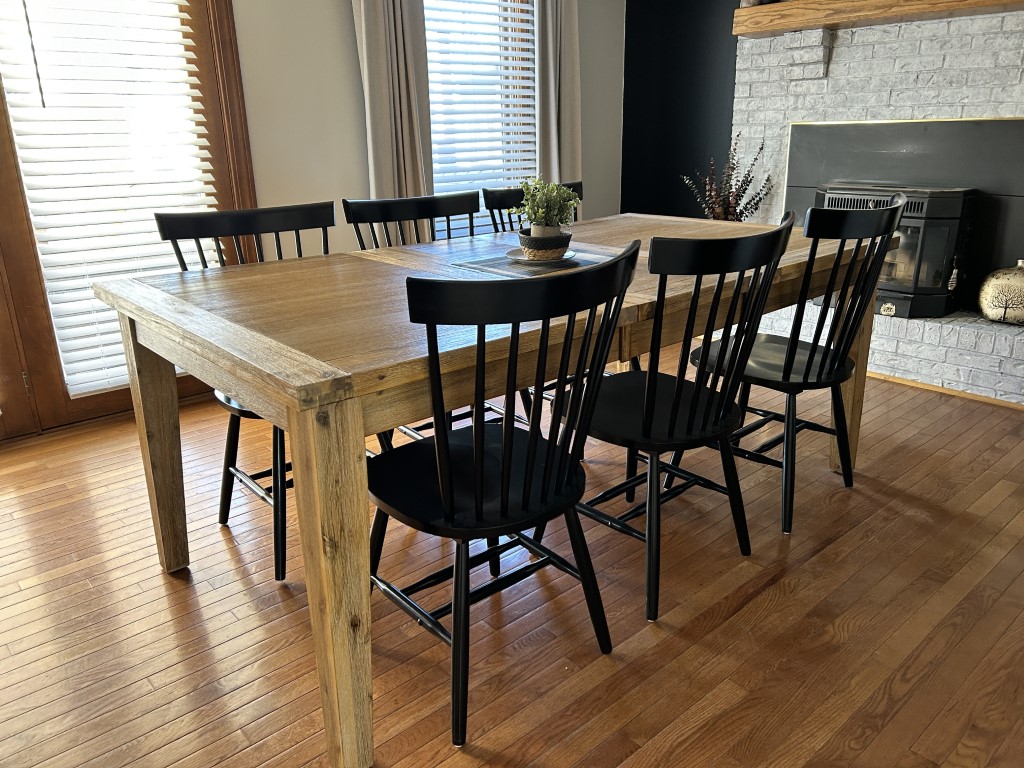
(919, 277)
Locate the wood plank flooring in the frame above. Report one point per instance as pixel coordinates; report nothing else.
(887, 631)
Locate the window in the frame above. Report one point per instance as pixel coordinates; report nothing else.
(108, 122)
(481, 57)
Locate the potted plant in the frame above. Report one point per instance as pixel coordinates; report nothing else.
(736, 196)
(548, 207)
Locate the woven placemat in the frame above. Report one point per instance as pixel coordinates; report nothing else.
(502, 265)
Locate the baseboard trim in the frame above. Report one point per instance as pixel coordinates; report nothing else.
(946, 391)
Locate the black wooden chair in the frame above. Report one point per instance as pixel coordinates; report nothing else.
(242, 232)
(491, 480)
(500, 202)
(651, 412)
(401, 220)
(818, 357)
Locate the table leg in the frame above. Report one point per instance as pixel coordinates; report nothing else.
(155, 397)
(853, 391)
(330, 487)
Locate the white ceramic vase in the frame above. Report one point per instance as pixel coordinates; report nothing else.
(1001, 297)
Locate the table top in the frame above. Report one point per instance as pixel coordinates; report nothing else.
(606, 236)
(299, 332)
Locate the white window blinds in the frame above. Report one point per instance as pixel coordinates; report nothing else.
(482, 92)
(108, 124)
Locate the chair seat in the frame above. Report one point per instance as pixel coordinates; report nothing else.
(404, 483)
(618, 416)
(234, 406)
(768, 359)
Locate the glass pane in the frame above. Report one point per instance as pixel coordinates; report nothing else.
(935, 252)
(107, 119)
(901, 264)
(480, 58)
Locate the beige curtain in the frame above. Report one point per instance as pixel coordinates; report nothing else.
(392, 43)
(559, 133)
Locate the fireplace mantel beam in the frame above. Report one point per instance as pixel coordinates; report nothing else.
(795, 15)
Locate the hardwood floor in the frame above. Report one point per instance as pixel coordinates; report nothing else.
(888, 630)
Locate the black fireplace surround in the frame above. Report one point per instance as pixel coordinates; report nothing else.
(987, 155)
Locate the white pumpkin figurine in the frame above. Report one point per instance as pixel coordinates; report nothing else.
(1002, 295)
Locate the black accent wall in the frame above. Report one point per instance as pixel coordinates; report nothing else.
(679, 78)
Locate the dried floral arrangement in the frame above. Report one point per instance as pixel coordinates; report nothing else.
(727, 198)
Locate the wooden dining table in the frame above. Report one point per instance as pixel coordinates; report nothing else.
(322, 346)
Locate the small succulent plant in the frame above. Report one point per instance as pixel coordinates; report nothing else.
(547, 204)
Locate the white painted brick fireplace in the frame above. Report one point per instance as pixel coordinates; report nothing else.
(971, 67)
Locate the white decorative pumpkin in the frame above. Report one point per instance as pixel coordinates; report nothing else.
(1002, 295)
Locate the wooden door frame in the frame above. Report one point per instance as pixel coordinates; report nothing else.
(216, 49)
(17, 409)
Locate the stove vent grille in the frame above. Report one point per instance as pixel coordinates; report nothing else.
(853, 203)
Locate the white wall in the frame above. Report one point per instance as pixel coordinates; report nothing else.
(602, 32)
(304, 103)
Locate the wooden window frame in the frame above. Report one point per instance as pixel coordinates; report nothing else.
(216, 48)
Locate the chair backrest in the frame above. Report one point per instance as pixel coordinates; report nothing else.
(499, 202)
(398, 220)
(704, 390)
(856, 263)
(243, 230)
(565, 321)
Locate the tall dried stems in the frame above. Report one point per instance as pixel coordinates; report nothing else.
(724, 199)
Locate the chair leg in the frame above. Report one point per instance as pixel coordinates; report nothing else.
(732, 482)
(386, 440)
(279, 494)
(524, 396)
(631, 465)
(377, 531)
(227, 480)
(538, 532)
(591, 592)
(653, 535)
(676, 460)
(742, 401)
(494, 561)
(789, 464)
(460, 643)
(842, 436)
